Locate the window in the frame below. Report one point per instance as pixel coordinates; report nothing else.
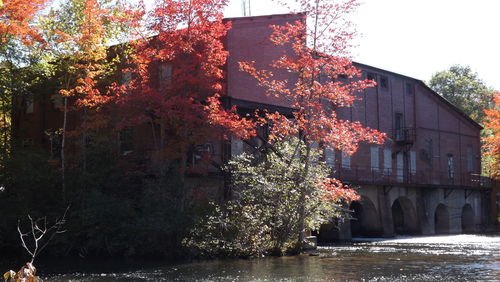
(387, 161)
(126, 141)
(451, 171)
(164, 75)
(126, 78)
(374, 158)
(399, 163)
(412, 162)
(384, 83)
(470, 164)
(199, 152)
(30, 105)
(371, 76)
(55, 142)
(346, 160)
(27, 142)
(409, 88)
(57, 101)
(428, 152)
(329, 157)
(398, 127)
(236, 146)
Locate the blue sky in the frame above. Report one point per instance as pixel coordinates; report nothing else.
(420, 37)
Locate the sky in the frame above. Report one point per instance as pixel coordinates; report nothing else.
(418, 38)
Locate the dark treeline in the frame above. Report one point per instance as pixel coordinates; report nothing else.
(114, 212)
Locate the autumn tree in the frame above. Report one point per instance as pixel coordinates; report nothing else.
(78, 34)
(171, 78)
(320, 42)
(17, 33)
(464, 89)
(16, 20)
(492, 123)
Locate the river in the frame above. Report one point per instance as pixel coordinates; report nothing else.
(437, 258)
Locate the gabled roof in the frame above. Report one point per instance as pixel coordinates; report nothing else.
(287, 15)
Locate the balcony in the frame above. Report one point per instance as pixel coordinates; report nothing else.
(359, 175)
(405, 135)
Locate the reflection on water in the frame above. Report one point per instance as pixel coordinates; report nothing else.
(445, 258)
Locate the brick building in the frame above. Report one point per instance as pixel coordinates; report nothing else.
(424, 180)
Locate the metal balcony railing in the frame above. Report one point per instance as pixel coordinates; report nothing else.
(372, 175)
(405, 135)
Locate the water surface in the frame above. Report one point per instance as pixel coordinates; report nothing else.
(441, 258)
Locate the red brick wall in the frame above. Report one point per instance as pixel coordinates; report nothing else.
(248, 40)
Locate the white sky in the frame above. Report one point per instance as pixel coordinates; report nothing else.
(420, 37)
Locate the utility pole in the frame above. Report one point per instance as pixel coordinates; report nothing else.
(246, 8)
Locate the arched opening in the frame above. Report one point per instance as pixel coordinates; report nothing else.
(441, 220)
(404, 217)
(467, 219)
(365, 221)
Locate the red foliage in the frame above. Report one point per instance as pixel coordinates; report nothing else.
(176, 76)
(229, 120)
(88, 61)
(318, 60)
(334, 190)
(16, 18)
(321, 79)
(493, 142)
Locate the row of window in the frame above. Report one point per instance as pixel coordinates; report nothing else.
(383, 82)
(387, 161)
(29, 104)
(387, 164)
(375, 163)
(164, 78)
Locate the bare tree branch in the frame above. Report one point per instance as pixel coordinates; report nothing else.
(37, 234)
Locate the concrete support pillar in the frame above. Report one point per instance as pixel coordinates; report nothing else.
(426, 211)
(385, 213)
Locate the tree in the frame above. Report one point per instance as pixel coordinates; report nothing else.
(464, 89)
(16, 20)
(492, 123)
(263, 217)
(172, 80)
(17, 31)
(319, 43)
(77, 35)
(173, 75)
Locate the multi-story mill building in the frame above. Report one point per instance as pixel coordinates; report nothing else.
(424, 180)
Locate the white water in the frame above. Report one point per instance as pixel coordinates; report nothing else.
(438, 240)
